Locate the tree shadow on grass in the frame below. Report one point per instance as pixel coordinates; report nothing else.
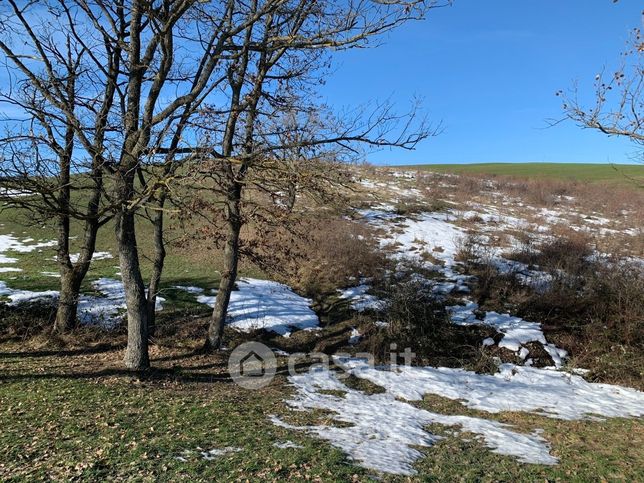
(150, 375)
(96, 349)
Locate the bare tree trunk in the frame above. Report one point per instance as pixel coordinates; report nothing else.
(67, 302)
(70, 284)
(157, 268)
(73, 274)
(136, 354)
(229, 272)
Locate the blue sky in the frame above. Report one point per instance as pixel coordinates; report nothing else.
(489, 70)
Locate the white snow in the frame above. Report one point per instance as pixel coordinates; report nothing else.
(10, 269)
(431, 232)
(51, 274)
(360, 299)
(74, 257)
(11, 243)
(268, 305)
(214, 453)
(435, 233)
(189, 289)
(428, 233)
(287, 444)
(22, 296)
(384, 431)
(96, 256)
(14, 193)
(516, 331)
(106, 310)
(355, 336)
(547, 392)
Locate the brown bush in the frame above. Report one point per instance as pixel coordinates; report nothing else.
(415, 318)
(318, 256)
(592, 306)
(570, 252)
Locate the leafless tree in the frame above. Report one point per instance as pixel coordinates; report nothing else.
(40, 152)
(148, 68)
(271, 133)
(618, 105)
(168, 55)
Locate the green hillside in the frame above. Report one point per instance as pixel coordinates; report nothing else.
(584, 172)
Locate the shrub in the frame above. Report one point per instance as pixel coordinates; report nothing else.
(409, 207)
(320, 255)
(416, 318)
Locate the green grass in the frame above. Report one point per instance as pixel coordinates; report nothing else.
(63, 418)
(62, 429)
(196, 262)
(568, 171)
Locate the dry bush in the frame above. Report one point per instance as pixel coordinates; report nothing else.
(569, 251)
(337, 254)
(538, 192)
(318, 256)
(26, 320)
(409, 207)
(415, 318)
(592, 307)
(491, 287)
(599, 319)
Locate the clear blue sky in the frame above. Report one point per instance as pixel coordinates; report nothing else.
(489, 70)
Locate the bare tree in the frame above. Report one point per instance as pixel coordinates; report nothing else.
(272, 126)
(169, 52)
(618, 105)
(40, 153)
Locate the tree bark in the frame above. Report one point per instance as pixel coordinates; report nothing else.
(68, 302)
(136, 354)
(157, 267)
(229, 272)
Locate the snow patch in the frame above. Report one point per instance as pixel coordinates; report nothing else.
(214, 453)
(268, 305)
(516, 331)
(546, 392)
(287, 444)
(360, 299)
(384, 431)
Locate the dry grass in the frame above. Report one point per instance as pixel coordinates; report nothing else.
(593, 308)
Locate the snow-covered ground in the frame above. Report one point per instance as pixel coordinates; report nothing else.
(105, 308)
(385, 429)
(360, 299)
(434, 239)
(516, 331)
(12, 243)
(263, 304)
(258, 304)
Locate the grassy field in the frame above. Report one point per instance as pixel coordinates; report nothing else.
(70, 417)
(191, 262)
(581, 172)
(70, 412)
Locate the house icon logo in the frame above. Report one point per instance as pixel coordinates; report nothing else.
(252, 365)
